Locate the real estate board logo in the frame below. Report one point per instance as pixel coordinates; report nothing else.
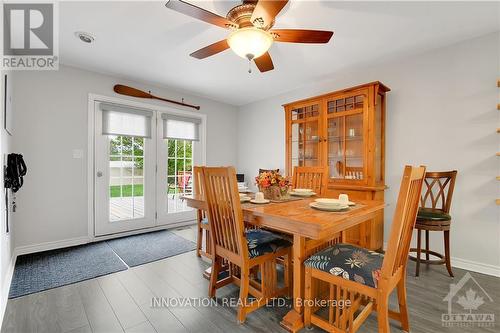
(30, 36)
(464, 301)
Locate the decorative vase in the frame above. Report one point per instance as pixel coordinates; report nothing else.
(275, 193)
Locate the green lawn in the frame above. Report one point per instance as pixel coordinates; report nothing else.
(127, 191)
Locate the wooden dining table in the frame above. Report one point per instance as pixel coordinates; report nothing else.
(309, 228)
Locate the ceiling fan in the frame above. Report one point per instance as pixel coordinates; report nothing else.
(251, 26)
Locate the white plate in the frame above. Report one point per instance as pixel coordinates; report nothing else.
(328, 202)
(245, 199)
(328, 208)
(302, 190)
(302, 194)
(260, 202)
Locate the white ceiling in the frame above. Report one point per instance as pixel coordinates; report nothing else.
(145, 41)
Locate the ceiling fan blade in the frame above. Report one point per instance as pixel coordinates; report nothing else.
(199, 13)
(301, 36)
(210, 50)
(264, 62)
(265, 11)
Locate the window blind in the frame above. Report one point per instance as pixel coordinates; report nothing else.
(124, 120)
(181, 128)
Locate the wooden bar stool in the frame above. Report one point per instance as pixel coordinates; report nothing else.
(433, 215)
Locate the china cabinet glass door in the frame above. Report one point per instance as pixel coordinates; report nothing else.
(345, 134)
(305, 136)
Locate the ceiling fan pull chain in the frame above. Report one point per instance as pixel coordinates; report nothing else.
(249, 66)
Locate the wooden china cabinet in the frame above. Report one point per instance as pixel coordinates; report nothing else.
(345, 132)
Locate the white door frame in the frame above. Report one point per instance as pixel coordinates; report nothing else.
(92, 98)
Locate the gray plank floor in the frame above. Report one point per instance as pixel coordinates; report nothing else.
(121, 302)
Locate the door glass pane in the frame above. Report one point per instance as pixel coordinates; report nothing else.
(305, 136)
(354, 148)
(179, 174)
(126, 178)
(336, 147)
(311, 151)
(297, 143)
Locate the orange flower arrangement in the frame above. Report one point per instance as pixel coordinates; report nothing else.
(273, 184)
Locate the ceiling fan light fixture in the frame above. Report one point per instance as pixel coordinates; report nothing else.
(250, 43)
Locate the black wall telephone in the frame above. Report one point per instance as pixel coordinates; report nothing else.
(14, 172)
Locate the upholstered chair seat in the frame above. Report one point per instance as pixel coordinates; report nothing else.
(349, 262)
(261, 242)
(429, 214)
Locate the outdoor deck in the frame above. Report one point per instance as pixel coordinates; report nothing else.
(133, 207)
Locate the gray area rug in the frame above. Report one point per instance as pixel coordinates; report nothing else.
(141, 249)
(50, 269)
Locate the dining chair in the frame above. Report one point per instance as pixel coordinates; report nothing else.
(360, 281)
(242, 249)
(309, 177)
(203, 246)
(434, 215)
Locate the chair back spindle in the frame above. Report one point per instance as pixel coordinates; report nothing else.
(198, 188)
(198, 181)
(437, 190)
(309, 177)
(403, 222)
(224, 212)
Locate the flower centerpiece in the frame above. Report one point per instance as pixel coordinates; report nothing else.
(273, 185)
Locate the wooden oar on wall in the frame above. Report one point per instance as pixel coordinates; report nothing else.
(129, 91)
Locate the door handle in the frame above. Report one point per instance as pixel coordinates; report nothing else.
(99, 174)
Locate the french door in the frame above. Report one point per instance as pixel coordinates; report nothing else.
(140, 173)
(175, 159)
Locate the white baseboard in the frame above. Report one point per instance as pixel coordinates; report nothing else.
(472, 266)
(141, 231)
(20, 250)
(6, 287)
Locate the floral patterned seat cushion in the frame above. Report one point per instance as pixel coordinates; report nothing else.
(349, 262)
(261, 242)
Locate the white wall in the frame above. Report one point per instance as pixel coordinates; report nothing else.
(51, 120)
(6, 245)
(441, 113)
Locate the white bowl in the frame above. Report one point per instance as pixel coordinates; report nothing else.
(330, 208)
(327, 201)
(302, 194)
(302, 190)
